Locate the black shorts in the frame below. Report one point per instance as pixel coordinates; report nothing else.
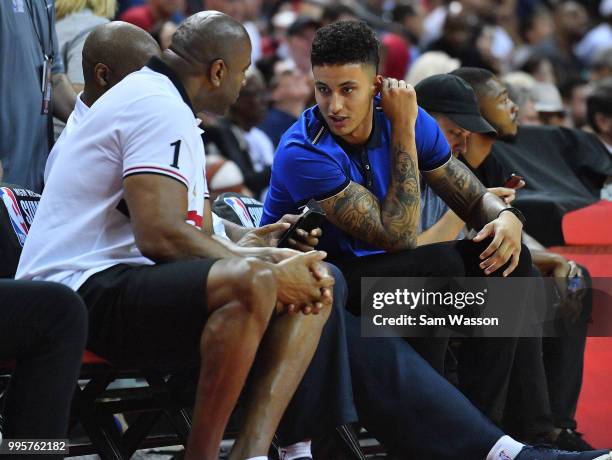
(150, 316)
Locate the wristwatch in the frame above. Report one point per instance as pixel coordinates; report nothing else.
(516, 212)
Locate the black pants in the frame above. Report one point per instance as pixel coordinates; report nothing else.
(486, 363)
(43, 326)
(564, 363)
(395, 394)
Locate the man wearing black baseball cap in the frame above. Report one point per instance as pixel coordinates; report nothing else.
(452, 102)
(454, 105)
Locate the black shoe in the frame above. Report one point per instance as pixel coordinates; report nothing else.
(572, 440)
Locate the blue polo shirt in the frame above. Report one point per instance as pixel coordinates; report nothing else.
(312, 163)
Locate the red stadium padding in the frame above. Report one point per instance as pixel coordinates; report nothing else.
(589, 226)
(594, 414)
(89, 357)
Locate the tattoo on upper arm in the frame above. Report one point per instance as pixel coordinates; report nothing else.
(458, 187)
(392, 225)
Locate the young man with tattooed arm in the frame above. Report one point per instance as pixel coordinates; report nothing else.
(359, 154)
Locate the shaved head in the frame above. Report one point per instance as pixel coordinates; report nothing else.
(123, 47)
(210, 52)
(208, 35)
(111, 52)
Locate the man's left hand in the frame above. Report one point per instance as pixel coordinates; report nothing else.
(266, 236)
(506, 232)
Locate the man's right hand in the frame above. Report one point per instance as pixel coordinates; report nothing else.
(303, 282)
(505, 193)
(399, 102)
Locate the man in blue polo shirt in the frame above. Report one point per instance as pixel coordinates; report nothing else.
(359, 152)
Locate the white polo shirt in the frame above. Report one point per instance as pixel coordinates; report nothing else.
(80, 109)
(143, 125)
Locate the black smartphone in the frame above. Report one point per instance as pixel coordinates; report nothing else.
(513, 181)
(312, 217)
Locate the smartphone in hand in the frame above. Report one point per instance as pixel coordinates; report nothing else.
(513, 181)
(312, 217)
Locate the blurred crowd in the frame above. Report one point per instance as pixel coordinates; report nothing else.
(552, 54)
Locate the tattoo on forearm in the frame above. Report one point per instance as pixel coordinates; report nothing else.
(401, 208)
(394, 224)
(464, 193)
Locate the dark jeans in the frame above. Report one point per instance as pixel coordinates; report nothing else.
(395, 394)
(486, 363)
(43, 326)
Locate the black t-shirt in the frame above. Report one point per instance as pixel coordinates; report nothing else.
(564, 169)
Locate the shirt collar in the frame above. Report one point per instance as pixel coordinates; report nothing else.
(374, 140)
(157, 65)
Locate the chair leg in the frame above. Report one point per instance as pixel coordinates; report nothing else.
(99, 426)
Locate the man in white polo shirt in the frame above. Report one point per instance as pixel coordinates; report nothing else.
(111, 52)
(123, 221)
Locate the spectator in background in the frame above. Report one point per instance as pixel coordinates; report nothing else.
(537, 26)
(540, 68)
(574, 94)
(237, 138)
(568, 174)
(250, 20)
(599, 38)
(599, 115)
(534, 28)
(396, 56)
(601, 67)
(548, 104)
(334, 12)
(245, 12)
(29, 46)
(599, 111)
(430, 63)
(289, 94)
(75, 20)
(410, 16)
(147, 16)
(459, 35)
(299, 40)
(162, 33)
(571, 23)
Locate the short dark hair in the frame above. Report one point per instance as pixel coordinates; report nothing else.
(345, 42)
(599, 101)
(476, 77)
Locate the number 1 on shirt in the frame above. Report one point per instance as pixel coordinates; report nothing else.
(177, 146)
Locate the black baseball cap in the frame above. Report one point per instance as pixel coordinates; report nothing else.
(452, 96)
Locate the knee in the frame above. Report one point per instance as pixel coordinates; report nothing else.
(70, 315)
(446, 260)
(255, 287)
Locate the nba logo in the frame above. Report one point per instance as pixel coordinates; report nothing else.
(18, 6)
